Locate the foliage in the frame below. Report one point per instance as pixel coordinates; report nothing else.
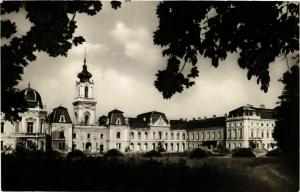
(76, 154)
(52, 32)
(243, 152)
(160, 147)
(119, 174)
(275, 153)
(114, 153)
(215, 29)
(153, 153)
(286, 131)
(7, 149)
(198, 153)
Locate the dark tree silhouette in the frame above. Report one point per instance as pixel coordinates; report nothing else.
(53, 26)
(286, 131)
(258, 31)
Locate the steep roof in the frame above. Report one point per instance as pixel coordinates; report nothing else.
(265, 113)
(137, 123)
(178, 124)
(114, 115)
(262, 112)
(54, 116)
(152, 116)
(207, 123)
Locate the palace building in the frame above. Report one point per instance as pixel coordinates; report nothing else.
(246, 126)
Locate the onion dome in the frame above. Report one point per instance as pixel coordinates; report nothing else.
(84, 75)
(32, 98)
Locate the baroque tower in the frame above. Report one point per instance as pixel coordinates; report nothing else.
(84, 103)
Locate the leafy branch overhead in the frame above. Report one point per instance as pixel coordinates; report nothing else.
(258, 32)
(52, 32)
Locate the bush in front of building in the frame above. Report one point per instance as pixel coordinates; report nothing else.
(113, 153)
(243, 152)
(275, 153)
(153, 153)
(198, 153)
(76, 154)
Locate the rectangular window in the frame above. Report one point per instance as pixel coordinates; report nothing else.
(62, 145)
(88, 135)
(159, 135)
(2, 127)
(17, 127)
(74, 135)
(101, 136)
(61, 135)
(29, 127)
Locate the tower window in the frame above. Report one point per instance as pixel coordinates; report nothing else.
(29, 127)
(2, 127)
(86, 91)
(61, 135)
(118, 121)
(74, 135)
(86, 119)
(118, 135)
(62, 118)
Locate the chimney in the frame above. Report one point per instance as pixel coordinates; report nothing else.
(126, 120)
(262, 106)
(214, 116)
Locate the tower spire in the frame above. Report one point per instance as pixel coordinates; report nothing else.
(84, 61)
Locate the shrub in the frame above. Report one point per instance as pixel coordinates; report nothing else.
(152, 153)
(198, 153)
(243, 152)
(259, 150)
(76, 154)
(275, 153)
(114, 153)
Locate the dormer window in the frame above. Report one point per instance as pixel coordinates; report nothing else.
(62, 118)
(118, 122)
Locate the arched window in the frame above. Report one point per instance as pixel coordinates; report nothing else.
(229, 134)
(202, 136)
(183, 136)
(192, 136)
(118, 135)
(76, 116)
(131, 135)
(198, 136)
(61, 135)
(86, 119)
(241, 133)
(62, 118)
(177, 136)
(146, 135)
(167, 135)
(118, 121)
(139, 135)
(86, 91)
(172, 136)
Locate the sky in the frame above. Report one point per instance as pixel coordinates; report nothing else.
(123, 61)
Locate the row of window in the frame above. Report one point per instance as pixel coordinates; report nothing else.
(29, 127)
(262, 134)
(234, 134)
(166, 146)
(88, 135)
(208, 135)
(160, 135)
(241, 124)
(88, 146)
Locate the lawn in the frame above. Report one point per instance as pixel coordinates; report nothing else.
(46, 172)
